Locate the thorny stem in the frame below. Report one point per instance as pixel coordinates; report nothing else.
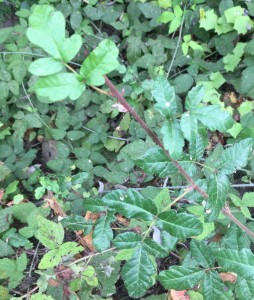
(226, 211)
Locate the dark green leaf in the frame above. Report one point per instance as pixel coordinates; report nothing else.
(234, 157)
(127, 240)
(202, 253)
(77, 223)
(94, 205)
(154, 248)
(180, 277)
(240, 262)
(103, 234)
(131, 204)
(218, 187)
(137, 273)
(6, 249)
(194, 97)
(244, 289)
(180, 225)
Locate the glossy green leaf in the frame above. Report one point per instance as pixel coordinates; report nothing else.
(218, 187)
(214, 289)
(180, 225)
(180, 277)
(127, 240)
(94, 205)
(101, 61)
(172, 138)
(164, 95)
(240, 262)
(131, 204)
(137, 273)
(58, 87)
(103, 234)
(155, 162)
(154, 249)
(244, 289)
(47, 30)
(202, 253)
(234, 157)
(189, 126)
(214, 118)
(45, 66)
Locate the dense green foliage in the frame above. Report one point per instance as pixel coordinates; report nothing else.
(83, 213)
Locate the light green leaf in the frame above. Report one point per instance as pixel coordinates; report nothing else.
(172, 138)
(214, 289)
(164, 95)
(174, 25)
(209, 20)
(232, 13)
(127, 240)
(240, 262)
(166, 17)
(137, 273)
(49, 233)
(180, 225)
(47, 30)
(202, 253)
(5, 33)
(40, 296)
(234, 157)
(58, 87)
(101, 61)
(218, 187)
(155, 162)
(248, 199)
(103, 234)
(6, 249)
(214, 118)
(194, 97)
(131, 204)
(45, 66)
(180, 277)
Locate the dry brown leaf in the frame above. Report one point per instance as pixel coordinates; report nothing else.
(89, 241)
(179, 295)
(123, 220)
(230, 276)
(91, 216)
(53, 282)
(54, 205)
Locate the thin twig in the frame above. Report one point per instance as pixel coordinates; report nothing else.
(32, 263)
(29, 293)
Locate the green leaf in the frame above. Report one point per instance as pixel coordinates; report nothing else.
(248, 199)
(6, 249)
(202, 253)
(218, 187)
(137, 273)
(58, 87)
(183, 83)
(47, 30)
(154, 248)
(127, 240)
(180, 225)
(49, 233)
(180, 277)
(131, 204)
(166, 17)
(232, 13)
(5, 33)
(240, 262)
(194, 97)
(209, 20)
(5, 218)
(244, 289)
(155, 162)
(101, 61)
(214, 118)
(164, 94)
(103, 234)
(234, 157)
(45, 66)
(95, 205)
(77, 223)
(172, 138)
(214, 289)
(4, 171)
(189, 126)
(40, 296)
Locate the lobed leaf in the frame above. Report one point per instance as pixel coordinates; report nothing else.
(127, 240)
(101, 61)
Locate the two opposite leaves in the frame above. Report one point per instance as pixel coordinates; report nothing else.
(47, 30)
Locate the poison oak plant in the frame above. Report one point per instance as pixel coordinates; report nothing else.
(163, 221)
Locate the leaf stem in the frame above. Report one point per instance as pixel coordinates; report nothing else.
(70, 68)
(187, 190)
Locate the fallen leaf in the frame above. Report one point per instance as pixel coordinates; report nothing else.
(54, 205)
(179, 295)
(89, 241)
(230, 276)
(123, 220)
